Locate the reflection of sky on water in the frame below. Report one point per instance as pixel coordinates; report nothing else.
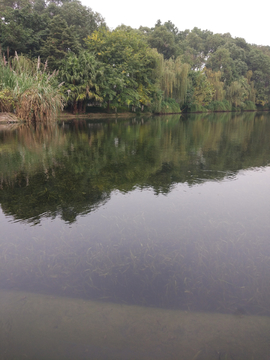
(243, 200)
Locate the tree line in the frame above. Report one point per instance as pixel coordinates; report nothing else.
(159, 69)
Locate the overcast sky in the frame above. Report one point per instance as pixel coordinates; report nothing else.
(246, 19)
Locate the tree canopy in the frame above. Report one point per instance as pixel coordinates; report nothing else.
(129, 66)
(161, 69)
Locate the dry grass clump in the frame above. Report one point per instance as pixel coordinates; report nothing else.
(28, 91)
(38, 105)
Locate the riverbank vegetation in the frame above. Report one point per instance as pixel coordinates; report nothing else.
(27, 91)
(159, 69)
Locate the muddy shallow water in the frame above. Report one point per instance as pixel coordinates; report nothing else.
(48, 327)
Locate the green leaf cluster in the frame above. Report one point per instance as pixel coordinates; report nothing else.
(48, 29)
(128, 65)
(80, 77)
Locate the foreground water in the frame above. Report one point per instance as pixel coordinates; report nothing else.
(155, 229)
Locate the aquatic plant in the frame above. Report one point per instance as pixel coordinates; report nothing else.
(27, 90)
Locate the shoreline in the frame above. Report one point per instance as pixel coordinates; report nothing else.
(10, 118)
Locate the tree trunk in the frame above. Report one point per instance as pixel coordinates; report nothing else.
(75, 108)
(80, 107)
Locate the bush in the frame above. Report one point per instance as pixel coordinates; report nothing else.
(227, 105)
(249, 106)
(29, 92)
(169, 106)
(219, 106)
(236, 109)
(216, 106)
(264, 107)
(197, 108)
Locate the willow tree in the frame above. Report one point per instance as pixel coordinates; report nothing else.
(240, 91)
(252, 91)
(214, 77)
(174, 79)
(202, 89)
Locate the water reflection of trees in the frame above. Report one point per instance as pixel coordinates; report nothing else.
(70, 169)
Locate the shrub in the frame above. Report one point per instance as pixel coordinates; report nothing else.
(197, 108)
(249, 106)
(223, 105)
(28, 91)
(169, 106)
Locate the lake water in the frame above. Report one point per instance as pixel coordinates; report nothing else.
(140, 238)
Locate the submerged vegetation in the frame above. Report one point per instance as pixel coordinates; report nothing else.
(191, 271)
(159, 69)
(210, 258)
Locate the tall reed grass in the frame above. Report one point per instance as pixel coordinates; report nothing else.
(27, 90)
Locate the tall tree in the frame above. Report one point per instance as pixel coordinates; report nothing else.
(84, 19)
(129, 66)
(163, 40)
(203, 90)
(215, 79)
(238, 92)
(221, 61)
(23, 30)
(259, 64)
(174, 79)
(59, 43)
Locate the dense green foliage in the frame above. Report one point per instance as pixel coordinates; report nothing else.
(80, 77)
(159, 69)
(129, 67)
(36, 27)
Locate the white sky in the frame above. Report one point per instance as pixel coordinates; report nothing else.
(246, 19)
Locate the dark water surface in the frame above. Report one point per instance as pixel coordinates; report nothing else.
(166, 215)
